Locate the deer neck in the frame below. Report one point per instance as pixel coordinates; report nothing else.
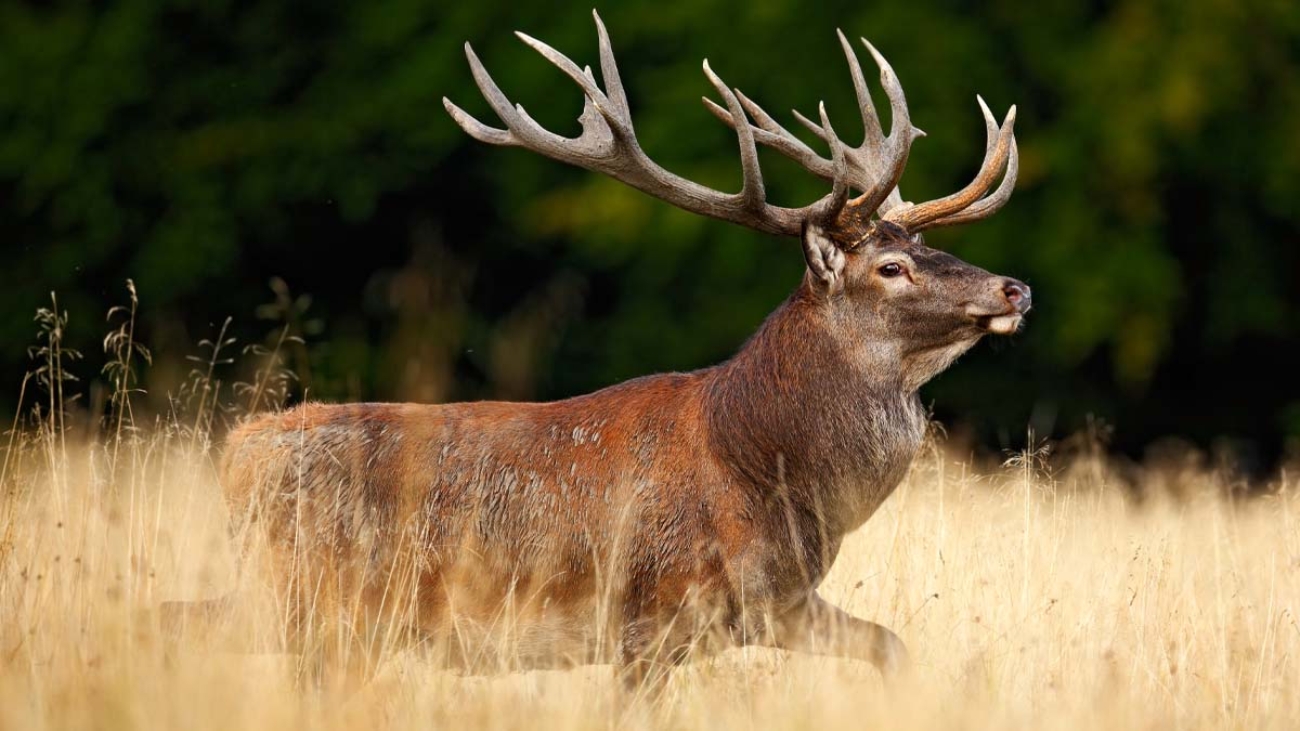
(811, 417)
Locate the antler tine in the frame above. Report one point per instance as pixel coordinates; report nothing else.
(887, 162)
(609, 73)
(996, 157)
(990, 204)
(810, 125)
(492, 93)
(476, 129)
(870, 121)
(752, 190)
(584, 81)
(831, 206)
(766, 122)
(521, 130)
(770, 133)
(987, 206)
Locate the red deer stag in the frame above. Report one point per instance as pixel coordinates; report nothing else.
(673, 512)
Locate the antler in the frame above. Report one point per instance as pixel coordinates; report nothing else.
(876, 166)
(969, 203)
(608, 145)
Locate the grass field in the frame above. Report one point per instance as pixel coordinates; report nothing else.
(1028, 600)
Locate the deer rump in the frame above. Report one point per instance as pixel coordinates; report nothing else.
(507, 534)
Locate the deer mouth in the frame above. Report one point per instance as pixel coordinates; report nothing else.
(1002, 323)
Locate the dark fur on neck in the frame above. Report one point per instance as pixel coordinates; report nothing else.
(797, 414)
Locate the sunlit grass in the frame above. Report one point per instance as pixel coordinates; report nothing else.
(1029, 597)
(1027, 600)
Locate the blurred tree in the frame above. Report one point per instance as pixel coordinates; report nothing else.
(204, 148)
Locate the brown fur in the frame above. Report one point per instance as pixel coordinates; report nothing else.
(628, 524)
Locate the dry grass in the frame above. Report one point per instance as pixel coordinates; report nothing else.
(1027, 602)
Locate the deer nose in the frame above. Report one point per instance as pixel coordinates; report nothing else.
(1018, 294)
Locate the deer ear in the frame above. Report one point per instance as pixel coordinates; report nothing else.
(825, 259)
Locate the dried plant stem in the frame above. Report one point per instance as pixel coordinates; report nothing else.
(13, 430)
(208, 385)
(6, 495)
(122, 346)
(265, 373)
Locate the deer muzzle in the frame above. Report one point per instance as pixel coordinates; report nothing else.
(1014, 299)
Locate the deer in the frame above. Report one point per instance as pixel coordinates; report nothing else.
(672, 515)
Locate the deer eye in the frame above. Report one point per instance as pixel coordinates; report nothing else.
(890, 270)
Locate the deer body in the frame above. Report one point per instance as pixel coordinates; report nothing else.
(716, 492)
(669, 513)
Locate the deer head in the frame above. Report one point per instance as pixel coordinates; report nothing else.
(868, 267)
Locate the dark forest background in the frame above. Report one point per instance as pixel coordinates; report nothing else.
(289, 164)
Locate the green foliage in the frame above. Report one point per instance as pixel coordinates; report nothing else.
(202, 148)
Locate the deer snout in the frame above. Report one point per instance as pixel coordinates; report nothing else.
(1017, 294)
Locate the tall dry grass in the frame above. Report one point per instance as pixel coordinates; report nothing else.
(1027, 602)
(1029, 599)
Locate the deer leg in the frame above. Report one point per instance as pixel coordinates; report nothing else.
(636, 661)
(648, 652)
(818, 627)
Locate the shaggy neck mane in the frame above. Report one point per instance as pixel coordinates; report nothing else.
(803, 417)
